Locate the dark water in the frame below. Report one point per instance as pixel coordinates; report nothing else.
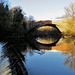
(40, 56)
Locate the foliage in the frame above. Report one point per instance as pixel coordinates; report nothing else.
(11, 23)
(69, 19)
(18, 22)
(5, 19)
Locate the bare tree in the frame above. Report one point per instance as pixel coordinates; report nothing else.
(70, 11)
(69, 19)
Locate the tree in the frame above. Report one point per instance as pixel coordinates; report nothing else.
(70, 11)
(5, 18)
(5, 2)
(19, 21)
(69, 19)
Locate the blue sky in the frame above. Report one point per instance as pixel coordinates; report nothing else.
(42, 9)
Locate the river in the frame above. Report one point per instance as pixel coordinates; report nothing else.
(40, 56)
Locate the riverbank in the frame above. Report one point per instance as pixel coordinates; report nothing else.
(68, 30)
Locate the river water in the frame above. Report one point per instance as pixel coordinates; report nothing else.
(40, 56)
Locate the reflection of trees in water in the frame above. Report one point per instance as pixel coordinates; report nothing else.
(48, 39)
(16, 58)
(70, 55)
(70, 60)
(32, 52)
(13, 48)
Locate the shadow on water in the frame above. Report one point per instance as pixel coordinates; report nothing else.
(13, 49)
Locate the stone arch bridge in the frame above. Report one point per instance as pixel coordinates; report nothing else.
(38, 26)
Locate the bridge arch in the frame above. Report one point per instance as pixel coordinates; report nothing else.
(38, 26)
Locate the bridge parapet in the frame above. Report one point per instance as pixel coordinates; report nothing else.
(32, 24)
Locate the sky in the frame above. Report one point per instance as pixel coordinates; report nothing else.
(42, 9)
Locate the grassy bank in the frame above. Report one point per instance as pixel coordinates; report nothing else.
(66, 26)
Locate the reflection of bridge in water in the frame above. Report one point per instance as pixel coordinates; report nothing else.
(38, 45)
